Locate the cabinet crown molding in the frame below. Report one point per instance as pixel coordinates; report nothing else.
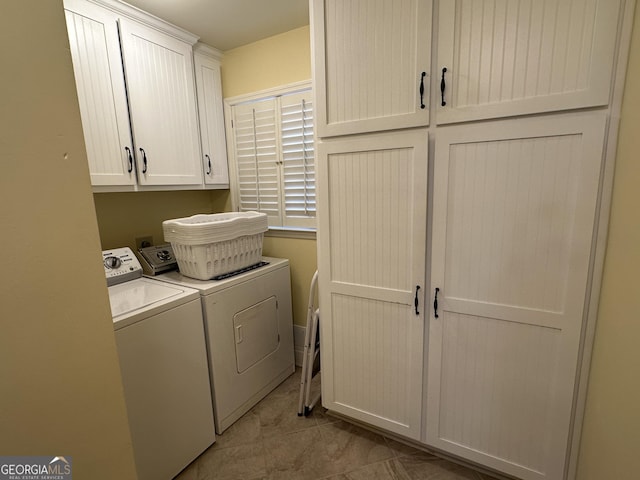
(204, 49)
(134, 13)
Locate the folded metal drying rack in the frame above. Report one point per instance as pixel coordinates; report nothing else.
(311, 355)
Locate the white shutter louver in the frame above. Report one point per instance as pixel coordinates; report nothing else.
(296, 126)
(273, 157)
(256, 157)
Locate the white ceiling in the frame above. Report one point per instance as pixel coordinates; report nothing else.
(226, 24)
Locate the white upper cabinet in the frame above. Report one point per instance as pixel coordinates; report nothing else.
(162, 102)
(371, 61)
(515, 57)
(93, 38)
(212, 134)
(137, 94)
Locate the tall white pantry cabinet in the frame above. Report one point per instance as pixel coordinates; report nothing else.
(461, 193)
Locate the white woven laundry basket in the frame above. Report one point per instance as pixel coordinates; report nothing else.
(206, 246)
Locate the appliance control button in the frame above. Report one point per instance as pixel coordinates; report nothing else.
(164, 255)
(112, 262)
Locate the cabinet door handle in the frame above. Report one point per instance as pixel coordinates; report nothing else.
(208, 164)
(435, 304)
(130, 158)
(144, 161)
(443, 85)
(422, 105)
(415, 300)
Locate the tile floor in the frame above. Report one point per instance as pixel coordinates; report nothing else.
(272, 442)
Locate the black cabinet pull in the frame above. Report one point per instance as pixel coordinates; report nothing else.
(144, 161)
(422, 105)
(415, 300)
(443, 85)
(208, 163)
(130, 168)
(435, 304)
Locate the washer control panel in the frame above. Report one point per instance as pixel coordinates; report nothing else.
(120, 265)
(157, 259)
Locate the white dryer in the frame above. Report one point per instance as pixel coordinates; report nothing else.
(163, 361)
(249, 332)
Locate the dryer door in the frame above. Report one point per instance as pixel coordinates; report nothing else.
(250, 339)
(256, 332)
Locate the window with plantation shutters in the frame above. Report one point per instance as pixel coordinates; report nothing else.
(256, 155)
(272, 157)
(299, 182)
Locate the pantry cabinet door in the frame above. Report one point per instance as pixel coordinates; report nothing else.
(212, 136)
(371, 259)
(514, 57)
(371, 59)
(514, 205)
(161, 88)
(95, 52)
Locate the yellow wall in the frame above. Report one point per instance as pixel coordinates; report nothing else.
(123, 217)
(302, 262)
(610, 447)
(268, 63)
(60, 387)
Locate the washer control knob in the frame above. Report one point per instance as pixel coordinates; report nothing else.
(112, 262)
(164, 255)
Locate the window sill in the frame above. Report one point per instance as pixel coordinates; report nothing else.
(301, 233)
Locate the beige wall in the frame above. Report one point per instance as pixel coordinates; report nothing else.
(610, 447)
(60, 390)
(123, 217)
(268, 63)
(302, 261)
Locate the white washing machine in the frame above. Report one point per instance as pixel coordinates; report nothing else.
(161, 346)
(249, 330)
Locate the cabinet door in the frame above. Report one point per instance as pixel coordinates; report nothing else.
(513, 214)
(371, 59)
(371, 259)
(214, 147)
(162, 101)
(518, 57)
(95, 51)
